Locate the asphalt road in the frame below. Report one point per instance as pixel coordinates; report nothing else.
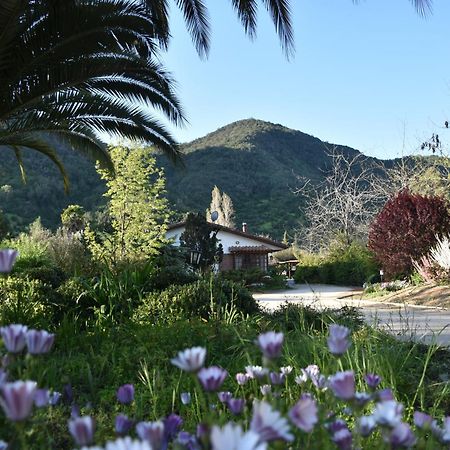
(426, 324)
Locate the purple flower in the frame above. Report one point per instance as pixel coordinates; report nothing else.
(152, 432)
(242, 378)
(269, 423)
(362, 398)
(443, 433)
(270, 344)
(304, 414)
(185, 398)
(365, 425)
(39, 341)
(17, 399)
(14, 337)
(212, 378)
(337, 425)
(343, 385)
(187, 441)
(172, 424)
(372, 380)
(265, 389)
(82, 429)
(125, 394)
(388, 413)
(343, 439)
(3, 376)
(54, 398)
(422, 420)
(385, 395)
(224, 396)
(74, 411)
(202, 430)
(122, 424)
(277, 378)
(3, 445)
(236, 405)
(7, 259)
(190, 359)
(41, 398)
(338, 342)
(68, 393)
(402, 436)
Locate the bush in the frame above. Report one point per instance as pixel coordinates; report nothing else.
(203, 299)
(406, 229)
(343, 265)
(26, 301)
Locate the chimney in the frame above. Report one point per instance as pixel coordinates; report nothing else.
(244, 227)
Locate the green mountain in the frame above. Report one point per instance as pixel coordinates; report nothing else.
(257, 163)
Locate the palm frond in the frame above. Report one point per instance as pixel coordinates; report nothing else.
(280, 11)
(16, 141)
(197, 21)
(247, 11)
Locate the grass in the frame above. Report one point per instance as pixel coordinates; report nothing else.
(97, 361)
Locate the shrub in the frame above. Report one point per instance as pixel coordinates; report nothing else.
(343, 265)
(405, 230)
(203, 299)
(26, 301)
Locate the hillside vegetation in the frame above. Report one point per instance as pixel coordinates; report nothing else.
(257, 163)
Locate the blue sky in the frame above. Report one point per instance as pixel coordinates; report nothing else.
(374, 76)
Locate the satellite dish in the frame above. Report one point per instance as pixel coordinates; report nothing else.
(214, 216)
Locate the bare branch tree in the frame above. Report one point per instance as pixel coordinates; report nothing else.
(343, 204)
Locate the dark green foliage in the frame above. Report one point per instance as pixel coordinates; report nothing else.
(349, 265)
(201, 299)
(270, 280)
(291, 316)
(200, 236)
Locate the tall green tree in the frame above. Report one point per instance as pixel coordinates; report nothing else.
(72, 71)
(201, 236)
(137, 208)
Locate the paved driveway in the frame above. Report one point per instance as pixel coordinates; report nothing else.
(427, 324)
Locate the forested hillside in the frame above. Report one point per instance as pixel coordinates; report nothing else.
(257, 163)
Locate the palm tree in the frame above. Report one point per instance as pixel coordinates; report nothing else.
(79, 69)
(196, 16)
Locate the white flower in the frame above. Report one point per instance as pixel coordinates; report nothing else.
(128, 444)
(388, 413)
(191, 359)
(231, 437)
(269, 423)
(286, 370)
(125, 443)
(256, 371)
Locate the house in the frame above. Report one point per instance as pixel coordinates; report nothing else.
(241, 250)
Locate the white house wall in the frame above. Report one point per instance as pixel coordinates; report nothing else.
(226, 238)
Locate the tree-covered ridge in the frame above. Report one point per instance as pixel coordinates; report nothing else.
(256, 163)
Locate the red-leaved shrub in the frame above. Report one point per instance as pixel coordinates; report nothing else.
(406, 229)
